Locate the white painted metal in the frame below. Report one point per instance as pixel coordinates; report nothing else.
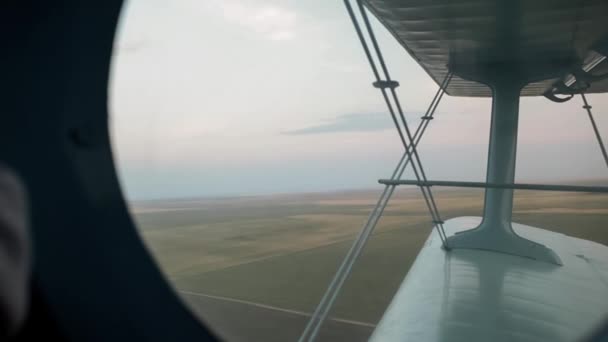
(495, 232)
(476, 295)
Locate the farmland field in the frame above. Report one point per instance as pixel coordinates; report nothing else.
(253, 268)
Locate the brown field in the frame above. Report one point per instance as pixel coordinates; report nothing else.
(254, 267)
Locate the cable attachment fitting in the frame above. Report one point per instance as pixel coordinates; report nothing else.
(386, 84)
(426, 118)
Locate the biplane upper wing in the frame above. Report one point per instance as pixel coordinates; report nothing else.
(474, 34)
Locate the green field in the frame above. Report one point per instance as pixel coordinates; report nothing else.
(282, 250)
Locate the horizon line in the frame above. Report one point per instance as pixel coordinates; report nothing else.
(345, 190)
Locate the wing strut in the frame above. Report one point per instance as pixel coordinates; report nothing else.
(410, 155)
(416, 162)
(587, 107)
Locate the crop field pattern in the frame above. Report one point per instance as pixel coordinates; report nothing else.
(253, 268)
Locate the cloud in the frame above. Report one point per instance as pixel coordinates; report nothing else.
(272, 22)
(356, 122)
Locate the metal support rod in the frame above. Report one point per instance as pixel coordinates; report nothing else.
(416, 162)
(502, 152)
(513, 186)
(587, 107)
(322, 310)
(495, 232)
(320, 314)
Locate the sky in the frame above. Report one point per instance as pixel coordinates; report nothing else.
(247, 97)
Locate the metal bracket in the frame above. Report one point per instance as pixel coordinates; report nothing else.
(390, 84)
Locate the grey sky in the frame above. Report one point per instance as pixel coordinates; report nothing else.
(228, 97)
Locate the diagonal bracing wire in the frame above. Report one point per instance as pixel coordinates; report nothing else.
(324, 306)
(410, 155)
(587, 107)
(416, 162)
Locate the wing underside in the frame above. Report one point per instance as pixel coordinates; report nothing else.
(492, 33)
